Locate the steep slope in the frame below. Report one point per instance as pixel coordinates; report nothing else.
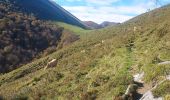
(47, 10)
(23, 37)
(101, 65)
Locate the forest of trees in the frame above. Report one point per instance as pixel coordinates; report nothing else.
(23, 36)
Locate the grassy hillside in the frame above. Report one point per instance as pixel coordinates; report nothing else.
(75, 29)
(24, 37)
(100, 65)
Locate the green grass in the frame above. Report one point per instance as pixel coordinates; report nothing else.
(75, 29)
(162, 90)
(90, 69)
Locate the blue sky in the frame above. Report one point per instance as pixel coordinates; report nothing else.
(108, 10)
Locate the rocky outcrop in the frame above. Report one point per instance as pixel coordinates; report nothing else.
(147, 95)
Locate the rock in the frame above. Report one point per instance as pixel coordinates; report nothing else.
(149, 96)
(138, 77)
(103, 41)
(83, 51)
(134, 28)
(164, 63)
(52, 63)
(97, 45)
(168, 77)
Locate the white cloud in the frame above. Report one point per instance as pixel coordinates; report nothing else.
(105, 10)
(106, 13)
(101, 2)
(100, 18)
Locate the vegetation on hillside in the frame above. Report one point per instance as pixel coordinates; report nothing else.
(75, 29)
(99, 66)
(162, 90)
(23, 37)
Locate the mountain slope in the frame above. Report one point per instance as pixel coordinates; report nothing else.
(23, 37)
(94, 25)
(47, 10)
(101, 65)
(106, 23)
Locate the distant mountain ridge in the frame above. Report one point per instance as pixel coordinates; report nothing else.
(94, 25)
(107, 23)
(47, 10)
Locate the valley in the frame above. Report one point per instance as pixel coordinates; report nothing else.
(97, 64)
